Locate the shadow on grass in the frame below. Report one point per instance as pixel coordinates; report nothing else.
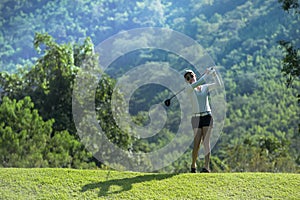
(121, 185)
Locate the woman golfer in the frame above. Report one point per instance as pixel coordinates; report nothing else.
(202, 121)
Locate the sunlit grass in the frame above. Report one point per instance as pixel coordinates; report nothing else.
(102, 184)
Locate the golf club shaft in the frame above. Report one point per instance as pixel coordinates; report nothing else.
(178, 92)
(168, 101)
(200, 80)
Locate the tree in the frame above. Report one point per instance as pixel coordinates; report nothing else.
(291, 60)
(26, 141)
(23, 134)
(264, 154)
(289, 5)
(49, 83)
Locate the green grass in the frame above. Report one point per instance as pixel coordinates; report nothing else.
(101, 184)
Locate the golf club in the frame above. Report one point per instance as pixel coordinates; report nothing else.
(168, 101)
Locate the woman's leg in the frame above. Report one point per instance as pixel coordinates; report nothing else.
(197, 140)
(206, 144)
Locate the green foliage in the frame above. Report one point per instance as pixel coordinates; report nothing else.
(241, 36)
(25, 139)
(49, 83)
(291, 62)
(264, 154)
(289, 4)
(64, 150)
(23, 134)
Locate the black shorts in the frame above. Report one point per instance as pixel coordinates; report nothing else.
(199, 122)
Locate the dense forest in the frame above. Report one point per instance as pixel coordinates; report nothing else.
(45, 43)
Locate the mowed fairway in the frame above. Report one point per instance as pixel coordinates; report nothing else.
(102, 184)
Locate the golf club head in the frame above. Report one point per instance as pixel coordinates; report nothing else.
(211, 70)
(168, 102)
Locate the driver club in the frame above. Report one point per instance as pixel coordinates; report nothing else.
(168, 101)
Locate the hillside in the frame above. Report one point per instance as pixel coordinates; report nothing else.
(221, 26)
(101, 184)
(261, 128)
